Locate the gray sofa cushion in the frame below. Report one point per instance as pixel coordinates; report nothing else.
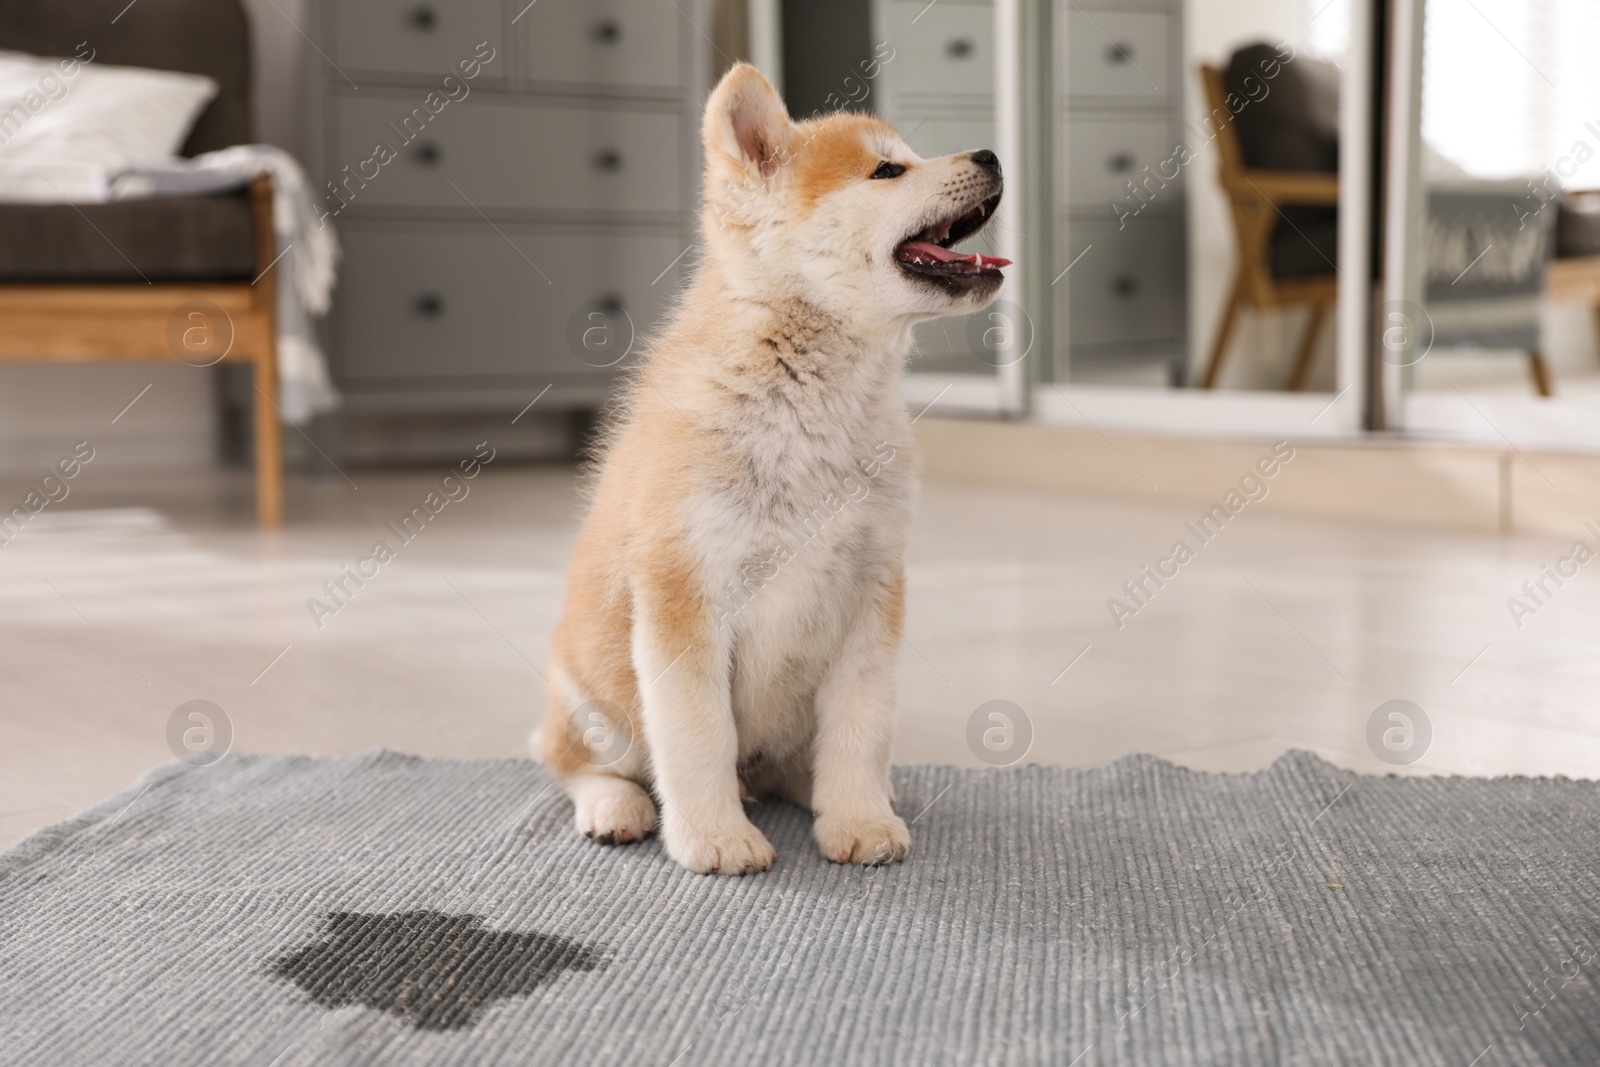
(180, 238)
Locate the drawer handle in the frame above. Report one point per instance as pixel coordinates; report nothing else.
(959, 48)
(423, 18)
(429, 305)
(1119, 53)
(1125, 285)
(608, 159)
(607, 31)
(428, 154)
(1122, 162)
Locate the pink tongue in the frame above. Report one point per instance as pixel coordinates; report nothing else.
(927, 250)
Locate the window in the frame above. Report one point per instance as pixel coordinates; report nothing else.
(1511, 88)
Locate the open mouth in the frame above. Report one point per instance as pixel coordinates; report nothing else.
(928, 251)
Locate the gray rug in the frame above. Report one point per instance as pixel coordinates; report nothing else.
(389, 910)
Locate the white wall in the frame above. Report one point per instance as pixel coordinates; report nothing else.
(281, 57)
(1264, 344)
(44, 408)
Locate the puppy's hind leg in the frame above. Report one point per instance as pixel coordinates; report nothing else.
(611, 810)
(595, 759)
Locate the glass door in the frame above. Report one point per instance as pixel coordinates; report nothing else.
(1188, 197)
(1211, 183)
(1493, 303)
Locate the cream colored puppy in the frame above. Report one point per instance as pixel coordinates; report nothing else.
(734, 603)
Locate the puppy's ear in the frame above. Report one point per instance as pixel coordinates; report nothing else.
(746, 124)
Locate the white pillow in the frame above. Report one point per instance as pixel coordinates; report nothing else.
(65, 123)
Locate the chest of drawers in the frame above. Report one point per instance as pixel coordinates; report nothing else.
(499, 170)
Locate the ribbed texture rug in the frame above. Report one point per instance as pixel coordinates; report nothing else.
(389, 910)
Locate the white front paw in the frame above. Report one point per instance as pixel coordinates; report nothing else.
(868, 838)
(737, 848)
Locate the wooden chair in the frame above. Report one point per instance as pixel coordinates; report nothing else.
(108, 282)
(81, 322)
(1255, 197)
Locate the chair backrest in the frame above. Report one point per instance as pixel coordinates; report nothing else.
(1286, 111)
(1230, 157)
(210, 37)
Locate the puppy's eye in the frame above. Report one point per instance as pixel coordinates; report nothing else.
(888, 170)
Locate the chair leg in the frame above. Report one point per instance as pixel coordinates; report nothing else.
(1541, 372)
(269, 441)
(1219, 347)
(1308, 347)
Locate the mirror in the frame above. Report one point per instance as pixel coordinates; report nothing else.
(1507, 256)
(1193, 175)
(1198, 245)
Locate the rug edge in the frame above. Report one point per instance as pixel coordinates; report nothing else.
(46, 840)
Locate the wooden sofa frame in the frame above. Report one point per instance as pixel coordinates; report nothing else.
(128, 321)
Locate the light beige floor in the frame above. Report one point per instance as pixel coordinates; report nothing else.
(134, 596)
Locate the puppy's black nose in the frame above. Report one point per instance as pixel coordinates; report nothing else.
(985, 158)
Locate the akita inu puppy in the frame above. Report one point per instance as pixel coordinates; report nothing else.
(734, 604)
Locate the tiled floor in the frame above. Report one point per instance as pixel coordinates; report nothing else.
(132, 597)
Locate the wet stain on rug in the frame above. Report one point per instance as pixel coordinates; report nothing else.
(436, 971)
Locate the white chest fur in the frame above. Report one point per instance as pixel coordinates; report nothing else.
(813, 520)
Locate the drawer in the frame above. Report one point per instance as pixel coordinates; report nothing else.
(1102, 157)
(447, 302)
(600, 42)
(1127, 287)
(944, 135)
(944, 49)
(417, 36)
(1117, 54)
(536, 155)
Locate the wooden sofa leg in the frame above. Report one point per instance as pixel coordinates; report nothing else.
(264, 303)
(1219, 347)
(1541, 372)
(269, 441)
(1308, 347)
